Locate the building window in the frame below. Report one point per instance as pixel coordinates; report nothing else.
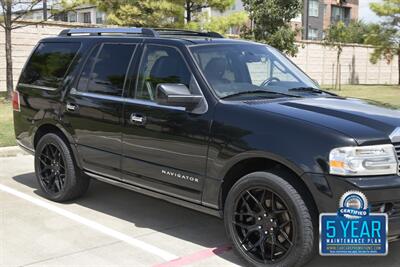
(72, 17)
(99, 18)
(313, 34)
(61, 17)
(340, 14)
(313, 8)
(87, 17)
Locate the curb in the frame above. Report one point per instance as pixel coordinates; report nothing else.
(11, 151)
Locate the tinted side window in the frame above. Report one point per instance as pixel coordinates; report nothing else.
(84, 78)
(49, 63)
(108, 69)
(161, 65)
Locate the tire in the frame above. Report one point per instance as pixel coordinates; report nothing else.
(56, 172)
(254, 228)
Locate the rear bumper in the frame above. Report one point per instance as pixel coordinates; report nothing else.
(383, 192)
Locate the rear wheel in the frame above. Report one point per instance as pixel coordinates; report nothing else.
(268, 221)
(56, 173)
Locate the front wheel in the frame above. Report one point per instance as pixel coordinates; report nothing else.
(268, 222)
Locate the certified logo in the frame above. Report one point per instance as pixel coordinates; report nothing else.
(353, 230)
(353, 205)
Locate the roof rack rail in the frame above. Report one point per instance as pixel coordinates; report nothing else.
(143, 31)
(100, 31)
(179, 32)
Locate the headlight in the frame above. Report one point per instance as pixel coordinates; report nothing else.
(363, 160)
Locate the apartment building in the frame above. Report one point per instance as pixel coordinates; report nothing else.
(318, 15)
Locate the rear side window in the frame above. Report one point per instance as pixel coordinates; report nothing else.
(49, 64)
(105, 69)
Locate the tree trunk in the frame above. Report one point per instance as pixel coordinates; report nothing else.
(188, 11)
(337, 86)
(8, 46)
(398, 66)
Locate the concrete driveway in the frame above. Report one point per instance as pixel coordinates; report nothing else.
(111, 226)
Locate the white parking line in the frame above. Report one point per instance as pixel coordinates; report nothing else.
(92, 224)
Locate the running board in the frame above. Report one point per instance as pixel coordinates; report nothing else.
(173, 200)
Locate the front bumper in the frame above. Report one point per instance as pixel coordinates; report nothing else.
(383, 193)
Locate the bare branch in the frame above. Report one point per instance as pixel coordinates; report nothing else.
(26, 11)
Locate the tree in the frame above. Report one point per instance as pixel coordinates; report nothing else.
(12, 12)
(196, 6)
(138, 13)
(271, 22)
(386, 37)
(357, 32)
(335, 37)
(220, 24)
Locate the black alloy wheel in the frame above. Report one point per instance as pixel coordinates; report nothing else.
(264, 225)
(56, 172)
(52, 169)
(268, 221)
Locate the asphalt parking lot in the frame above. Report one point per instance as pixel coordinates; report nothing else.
(111, 226)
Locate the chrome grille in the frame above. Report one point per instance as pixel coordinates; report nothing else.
(397, 148)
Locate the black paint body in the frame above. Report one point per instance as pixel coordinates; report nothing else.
(297, 133)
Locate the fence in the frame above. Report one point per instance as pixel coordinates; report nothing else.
(320, 63)
(316, 60)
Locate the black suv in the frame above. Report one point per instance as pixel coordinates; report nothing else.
(227, 127)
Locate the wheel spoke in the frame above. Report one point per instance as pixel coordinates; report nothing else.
(280, 246)
(248, 234)
(246, 204)
(241, 225)
(286, 237)
(57, 183)
(263, 198)
(273, 206)
(245, 214)
(43, 162)
(272, 251)
(262, 246)
(260, 207)
(47, 168)
(45, 156)
(283, 225)
(257, 244)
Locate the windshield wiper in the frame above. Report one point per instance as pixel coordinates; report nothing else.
(258, 92)
(310, 90)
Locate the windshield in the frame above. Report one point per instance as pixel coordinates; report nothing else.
(247, 70)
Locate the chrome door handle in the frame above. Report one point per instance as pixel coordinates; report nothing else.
(137, 119)
(71, 107)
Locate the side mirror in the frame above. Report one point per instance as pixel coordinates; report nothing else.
(175, 94)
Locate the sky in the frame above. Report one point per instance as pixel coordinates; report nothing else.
(366, 14)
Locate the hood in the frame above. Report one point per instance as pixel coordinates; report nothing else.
(366, 122)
